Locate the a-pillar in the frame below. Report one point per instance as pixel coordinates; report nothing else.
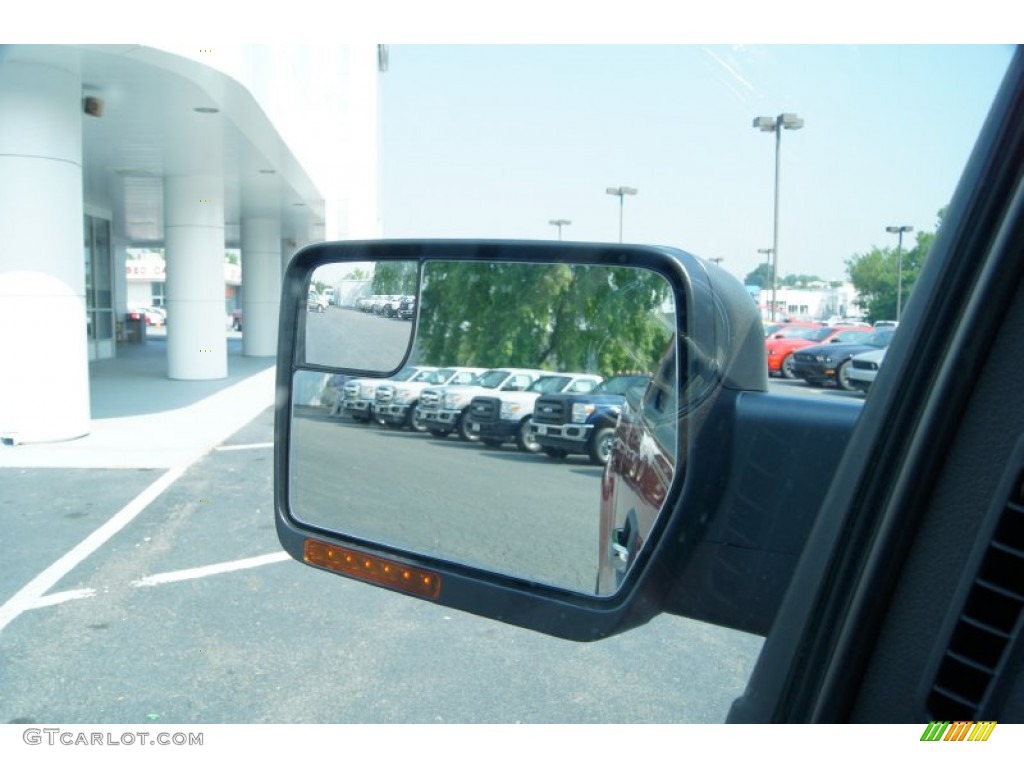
(261, 285)
(44, 361)
(194, 248)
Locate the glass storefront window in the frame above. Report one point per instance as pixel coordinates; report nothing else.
(99, 289)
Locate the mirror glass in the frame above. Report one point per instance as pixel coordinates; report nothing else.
(360, 316)
(488, 449)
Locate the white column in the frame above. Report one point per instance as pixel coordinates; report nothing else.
(44, 365)
(194, 247)
(261, 285)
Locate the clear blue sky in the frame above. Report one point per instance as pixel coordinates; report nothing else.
(496, 140)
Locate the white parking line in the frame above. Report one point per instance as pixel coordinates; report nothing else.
(29, 595)
(246, 447)
(61, 597)
(45, 601)
(210, 570)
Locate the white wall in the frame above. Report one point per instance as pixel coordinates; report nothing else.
(820, 303)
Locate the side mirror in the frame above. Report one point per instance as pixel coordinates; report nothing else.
(500, 502)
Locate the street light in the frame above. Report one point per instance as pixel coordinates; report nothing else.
(559, 223)
(621, 192)
(790, 122)
(899, 265)
(767, 253)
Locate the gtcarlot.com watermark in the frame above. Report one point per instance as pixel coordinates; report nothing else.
(61, 737)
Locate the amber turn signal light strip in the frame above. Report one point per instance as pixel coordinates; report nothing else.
(377, 570)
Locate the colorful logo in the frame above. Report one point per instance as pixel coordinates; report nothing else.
(959, 730)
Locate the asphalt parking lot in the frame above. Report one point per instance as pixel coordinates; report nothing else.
(159, 594)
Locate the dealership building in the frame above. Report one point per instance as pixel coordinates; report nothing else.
(106, 148)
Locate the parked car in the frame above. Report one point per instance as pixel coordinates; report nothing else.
(564, 424)
(388, 307)
(315, 302)
(831, 363)
(444, 410)
(781, 346)
(359, 395)
(155, 316)
(506, 416)
(395, 403)
(407, 308)
(158, 315)
(864, 368)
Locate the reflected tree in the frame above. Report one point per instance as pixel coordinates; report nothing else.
(394, 278)
(554, 316)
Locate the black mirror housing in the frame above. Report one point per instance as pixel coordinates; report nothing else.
(716, 352)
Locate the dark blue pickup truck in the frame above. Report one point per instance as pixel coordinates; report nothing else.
(564, 424)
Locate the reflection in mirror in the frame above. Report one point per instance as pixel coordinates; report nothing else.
(488, 449)
(355, 319)
(640, 471)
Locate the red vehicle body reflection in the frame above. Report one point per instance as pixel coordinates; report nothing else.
(638, 474)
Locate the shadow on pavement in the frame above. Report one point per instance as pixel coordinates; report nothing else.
(136, 383)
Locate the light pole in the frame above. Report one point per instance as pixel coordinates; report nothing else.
(899, 265)
(767, 253)
(790, 122)
(559, 223)
(621, 192)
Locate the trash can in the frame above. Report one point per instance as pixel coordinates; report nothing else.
(135, 327)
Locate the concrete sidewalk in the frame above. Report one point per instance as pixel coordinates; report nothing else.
(142, 419)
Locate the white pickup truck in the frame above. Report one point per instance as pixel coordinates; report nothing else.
(396, 401)
(444, 410)
(506, 416)
(358, 396)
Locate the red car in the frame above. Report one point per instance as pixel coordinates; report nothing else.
(781, 345)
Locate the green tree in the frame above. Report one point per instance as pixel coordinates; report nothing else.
(761, 276)
(876, 274)
(796, 281)
(357, 274)
(554, 316)
(394, 277)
